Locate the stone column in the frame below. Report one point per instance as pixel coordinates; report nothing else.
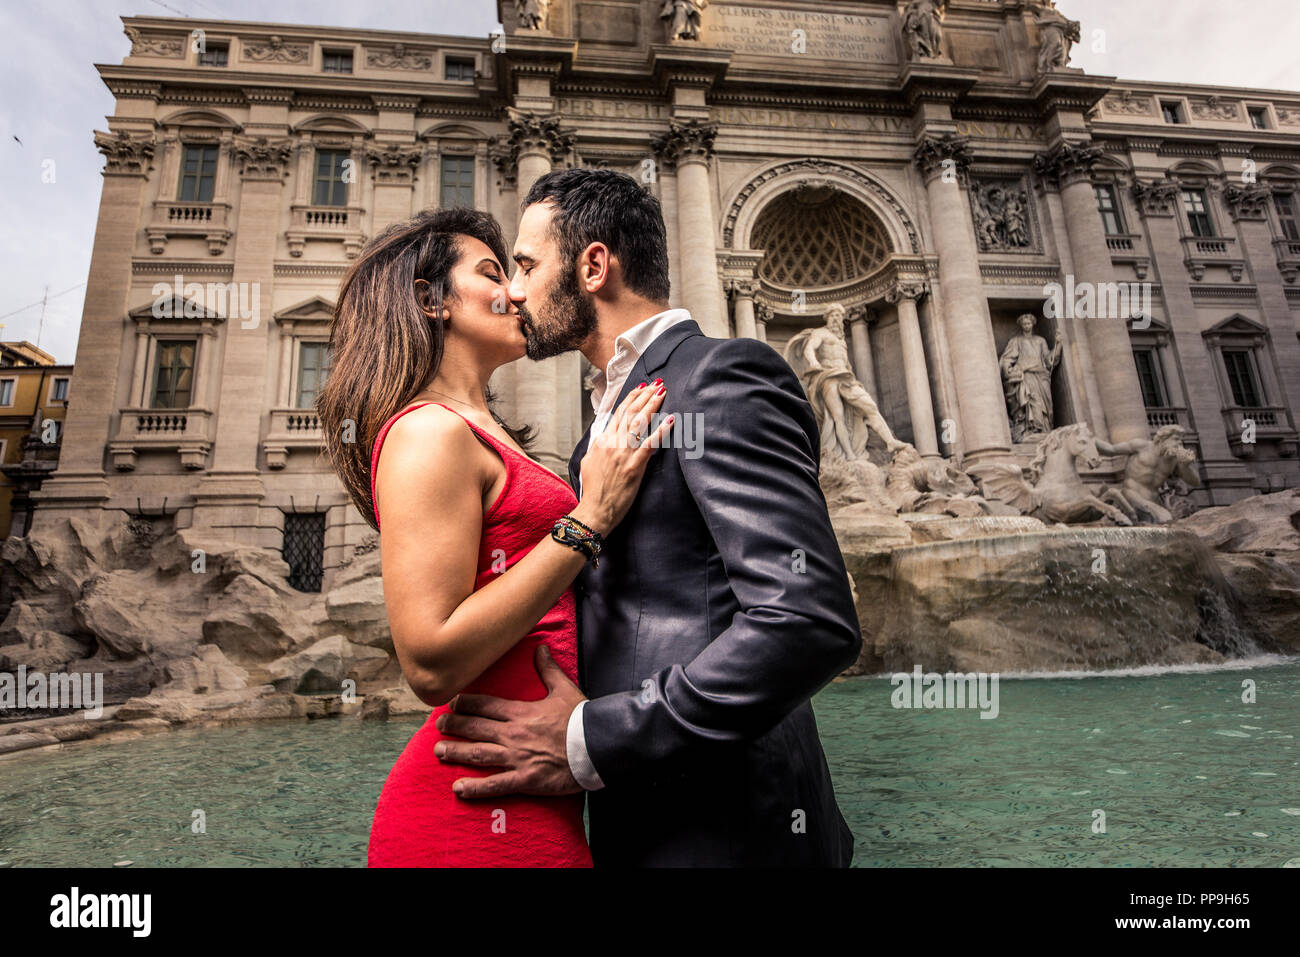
(1069, 166)
(688, 147)
(985, 431)
(860, 348)
(920, 405)
(743, 292)
(392, 171)
(548, 392)
(78, 486)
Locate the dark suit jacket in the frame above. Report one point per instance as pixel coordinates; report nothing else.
(721, 605)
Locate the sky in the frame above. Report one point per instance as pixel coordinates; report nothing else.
(53, 99)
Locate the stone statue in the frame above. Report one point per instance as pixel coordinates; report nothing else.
(1027, 366)
(1057, 33)
(917, 485)
(1151, 464)
(684, 17)
(923, 28)
(820, 357)
(532, 13)
(1054, 491)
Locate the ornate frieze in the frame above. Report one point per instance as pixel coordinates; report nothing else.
(689, 142)
(127, 154)
(399, 57)
(274, 50)
(1213, 108)
(1125, 103)
(152, 44)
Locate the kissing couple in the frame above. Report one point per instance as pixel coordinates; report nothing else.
(648, 634)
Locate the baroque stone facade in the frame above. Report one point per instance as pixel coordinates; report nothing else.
(936, 168)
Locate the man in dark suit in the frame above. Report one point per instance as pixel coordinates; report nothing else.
(720, 604)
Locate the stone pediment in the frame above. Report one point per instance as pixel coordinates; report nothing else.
(175, 307)
(1237, 325)
(315, 309)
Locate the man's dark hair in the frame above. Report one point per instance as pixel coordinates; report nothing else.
(605, 206)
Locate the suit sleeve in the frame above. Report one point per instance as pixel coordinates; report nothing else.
(756, 488)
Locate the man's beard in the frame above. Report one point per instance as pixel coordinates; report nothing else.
(572, 318)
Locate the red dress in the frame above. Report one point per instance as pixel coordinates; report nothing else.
(419, 822)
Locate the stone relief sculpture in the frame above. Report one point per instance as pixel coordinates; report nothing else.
(1054, 492)
(923, 28)
(845, 410)
(1057, 34)
(683, 17)
(1001, 214)
(533, 13)
(1152, 464)
(1027, 365)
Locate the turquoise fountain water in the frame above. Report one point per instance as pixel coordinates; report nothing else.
(1186, 773)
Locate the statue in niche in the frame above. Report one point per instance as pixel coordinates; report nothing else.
(1027, 365)
(923, 28)
(683, 17)
(1001, 214)
(532, 13)
(845, 410)
(1057, 33)
(1152, 464)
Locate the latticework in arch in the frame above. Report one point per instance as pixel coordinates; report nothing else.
(818, 237)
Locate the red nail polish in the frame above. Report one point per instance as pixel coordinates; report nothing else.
(659, 381)
(641, 386)
(662, 390)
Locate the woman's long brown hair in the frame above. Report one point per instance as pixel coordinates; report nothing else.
(383, 347)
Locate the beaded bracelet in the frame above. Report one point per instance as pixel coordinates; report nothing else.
(571, 533)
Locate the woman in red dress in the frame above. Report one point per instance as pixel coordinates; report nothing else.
(473, 580)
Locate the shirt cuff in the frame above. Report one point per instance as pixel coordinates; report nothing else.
(575, 745)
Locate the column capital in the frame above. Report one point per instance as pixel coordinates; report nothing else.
(1247, 202)
(1155, 198)
(127, 154)
(741, 288)
(262, 158)
(855, 314)
(913, 289)
(763, 312)
(936, 154)
(532, 132)
(394, 164)
(1068, 163)
(688, 142)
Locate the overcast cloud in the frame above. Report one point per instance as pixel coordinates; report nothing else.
(53, 99)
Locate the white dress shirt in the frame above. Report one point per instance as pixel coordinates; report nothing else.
(606, 386)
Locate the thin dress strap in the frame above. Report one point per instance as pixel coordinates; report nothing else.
(496, 444)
